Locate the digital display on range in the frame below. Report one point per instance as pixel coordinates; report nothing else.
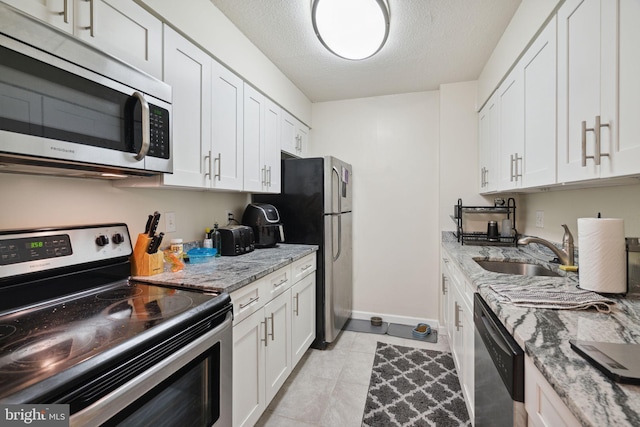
(13, 251)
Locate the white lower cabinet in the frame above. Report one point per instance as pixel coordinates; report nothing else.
(457, 306)
(544, 406)
(274, 324)
(278, 343)
(303, 321)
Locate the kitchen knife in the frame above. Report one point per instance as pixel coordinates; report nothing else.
(155, 243)
(154, 224)
(148, 226)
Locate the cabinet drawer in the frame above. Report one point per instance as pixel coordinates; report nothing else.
(277, 282)
(248, 300)
(303, 267)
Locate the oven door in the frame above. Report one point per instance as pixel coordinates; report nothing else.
(191, 387)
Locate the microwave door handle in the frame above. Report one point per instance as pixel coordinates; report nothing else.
(146, 126)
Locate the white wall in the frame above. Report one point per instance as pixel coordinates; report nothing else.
(525, 24)
(37, 201)
(458, 150)
(392, 142)
(203, 23)
(565, 207)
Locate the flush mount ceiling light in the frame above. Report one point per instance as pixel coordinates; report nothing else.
(351, 29)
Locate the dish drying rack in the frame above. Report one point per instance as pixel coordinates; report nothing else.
(481, 238)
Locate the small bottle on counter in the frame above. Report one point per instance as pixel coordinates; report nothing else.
(217, 240)
(177, 248)
(207, 242)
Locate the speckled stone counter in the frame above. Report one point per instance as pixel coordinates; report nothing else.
(230, 273)
(544, 334)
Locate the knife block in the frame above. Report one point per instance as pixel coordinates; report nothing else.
(142, 263)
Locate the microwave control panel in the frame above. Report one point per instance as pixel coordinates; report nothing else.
(159, 132)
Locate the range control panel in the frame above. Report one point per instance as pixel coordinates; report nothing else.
(27, 251)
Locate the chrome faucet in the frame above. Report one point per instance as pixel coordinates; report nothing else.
(565, 255)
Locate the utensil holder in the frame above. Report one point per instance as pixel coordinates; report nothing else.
(142, 263)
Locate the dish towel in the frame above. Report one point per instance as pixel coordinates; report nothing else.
(539, 297)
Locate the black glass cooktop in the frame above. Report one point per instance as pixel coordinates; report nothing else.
(41, 341)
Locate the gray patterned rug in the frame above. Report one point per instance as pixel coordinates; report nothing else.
(414, 387)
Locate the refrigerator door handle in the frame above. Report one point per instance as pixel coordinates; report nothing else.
(337, 255)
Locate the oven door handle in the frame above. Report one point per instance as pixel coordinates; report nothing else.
(111, 404)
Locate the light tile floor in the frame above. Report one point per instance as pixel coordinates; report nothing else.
(329, 388)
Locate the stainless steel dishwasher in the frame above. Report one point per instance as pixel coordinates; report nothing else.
(499, 371)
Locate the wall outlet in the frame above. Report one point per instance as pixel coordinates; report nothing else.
(170, 222)
(540, 219)
(228, 215)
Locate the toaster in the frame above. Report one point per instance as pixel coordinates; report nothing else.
(236, 240)
(264, 219)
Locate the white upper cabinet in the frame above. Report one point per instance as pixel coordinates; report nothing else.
(626, 150)
(226, 158)
(295, 136)
(539, 86)
(586, 88)
(119, 27)
(58, 13)
(488, 146)
(261, 142)
(510, 134)
(188, 70)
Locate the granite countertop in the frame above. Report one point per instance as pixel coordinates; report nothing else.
(230, 273)
(544, 334)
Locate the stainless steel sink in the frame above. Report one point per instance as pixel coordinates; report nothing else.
(516, 267)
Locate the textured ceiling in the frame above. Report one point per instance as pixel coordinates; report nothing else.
(430, 42)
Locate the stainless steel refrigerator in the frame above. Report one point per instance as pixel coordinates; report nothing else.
(315, 207)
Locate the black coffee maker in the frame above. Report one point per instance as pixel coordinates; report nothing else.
(265, 221)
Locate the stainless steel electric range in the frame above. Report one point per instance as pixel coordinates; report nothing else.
(75, 330)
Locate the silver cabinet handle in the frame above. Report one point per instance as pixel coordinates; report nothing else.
(457, 316)
(146, 125)
(296, 310)
(306, 267)
(272, 334)
(444, 284)
(266, 342)
(91, 26)
(269, 180)
(597, 131)
(511, 169)
(280, 283)
(219, 161)
(518, 173)
(65, 11)
(248, 303)
(264, 175)
(207, 159)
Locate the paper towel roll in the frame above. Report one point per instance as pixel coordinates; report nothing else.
(602, 256)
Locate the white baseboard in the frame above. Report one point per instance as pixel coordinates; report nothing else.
(389, 318)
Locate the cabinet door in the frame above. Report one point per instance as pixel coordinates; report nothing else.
(303, 323)
(444, 298)
(288, 134)
(539, 81)
(58, 13)
(626, 150)
(272, 128)
(255, 173)
(302, 136)
(248, 369)
(488, 144)
(278, 348)
(511, 130)
(468, 362)
(227, 138)
(123, 29)
(586, 85)
(188, 70)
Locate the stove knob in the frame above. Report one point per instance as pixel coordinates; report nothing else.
(117, 238)
(102, 240)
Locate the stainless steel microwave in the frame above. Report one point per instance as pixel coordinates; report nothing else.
(67, 108)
